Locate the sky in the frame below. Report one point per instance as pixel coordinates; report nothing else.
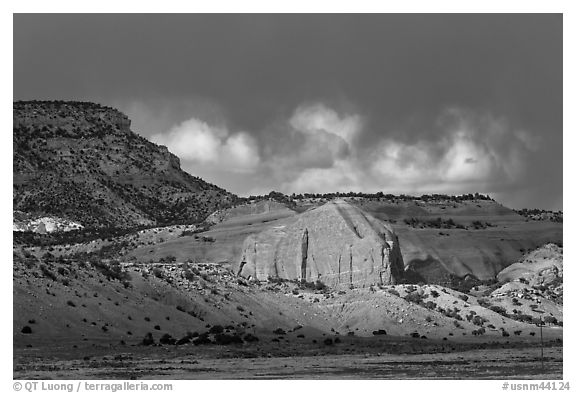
(399, 103)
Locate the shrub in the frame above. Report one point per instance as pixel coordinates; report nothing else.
(188, 275)
(379, 332)
(328, 341)
(430, 305)
(48, 273)
(550, 320)
(415, 335)
(202, 340)
(319, 285)
(159, 273)
(250, 338)
(148, 339)
(156, 327)
(183, 340)
(167, 339)
(70, 303)
(227, 339)
(26, 330)
(279, 331)
(498, 309)
(216, 329)
(393, 292)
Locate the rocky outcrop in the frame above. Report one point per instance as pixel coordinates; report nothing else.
(543, 266)
(336, 243)
(81, 161)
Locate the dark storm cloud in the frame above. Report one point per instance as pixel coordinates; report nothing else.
(404, 103)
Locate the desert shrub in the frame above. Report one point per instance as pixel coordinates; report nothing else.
(279, 331)
(227, 339)
(147, 319)
(337, 340)
(156, 327)
(478, 320)
(26, 330)
(414, 297)
(180, 308)
(393, 292)
(167, 339)
(463, 297)
(328, 341)
(428, 318)
(498, 309)
(505, 333)
(250, 338)
(240, 308)
(379, 332)
(71, 303)
(457, 324)
(158, 272)
(517, 332)
(484, 302)
(183, 340)
(415, 335)
(434, 293)
(47, 272)
(216, 329)
(319, 285)
(532, 333)
(430, 305)
(202, 340)
(112, 270)
(62, 271)
(188, 275)
(148, 339)
(550, 320)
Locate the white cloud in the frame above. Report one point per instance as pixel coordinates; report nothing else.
(318, 117)
(200, 142)
(471, 152)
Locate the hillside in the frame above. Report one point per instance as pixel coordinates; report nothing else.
(81, 162)
(444, 238)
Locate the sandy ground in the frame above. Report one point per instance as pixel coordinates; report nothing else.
(507, 363)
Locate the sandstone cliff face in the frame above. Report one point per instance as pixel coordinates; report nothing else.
(336, 243)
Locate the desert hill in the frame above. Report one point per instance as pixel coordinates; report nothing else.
(440, 242)
(91, 301)
(81, 162)
(474, 237)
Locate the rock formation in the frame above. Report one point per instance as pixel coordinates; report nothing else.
(336, 243)
(80, 161)
(543, 266)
